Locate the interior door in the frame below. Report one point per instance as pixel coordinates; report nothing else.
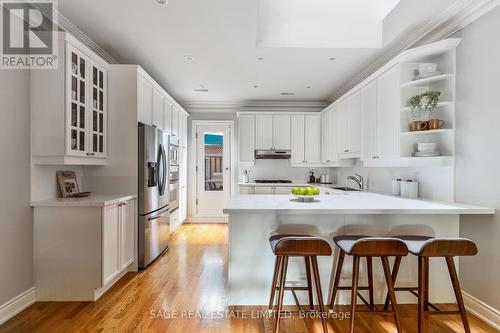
(213, 162)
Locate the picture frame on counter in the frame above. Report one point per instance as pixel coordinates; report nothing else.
(68, 184)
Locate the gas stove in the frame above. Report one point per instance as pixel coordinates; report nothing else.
(272, 181)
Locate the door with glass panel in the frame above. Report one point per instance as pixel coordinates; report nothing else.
(213, 165)
(78, 70)
(98, 110)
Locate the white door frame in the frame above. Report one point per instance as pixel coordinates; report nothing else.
(195, 217)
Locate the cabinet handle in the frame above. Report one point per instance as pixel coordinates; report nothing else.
(327, 161)
(346, 151)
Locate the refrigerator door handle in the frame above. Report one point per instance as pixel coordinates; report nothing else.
(156, 217)
(164, 161)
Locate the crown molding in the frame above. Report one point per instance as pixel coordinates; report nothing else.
(254, 106)
(66, 25)
(448, 22)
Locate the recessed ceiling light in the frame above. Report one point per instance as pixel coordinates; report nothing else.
(188, 58)
(260, 58)
(200, 90)
(332, 59)
(287, 94)
(255, 86)
(162, 2)
(308, 87)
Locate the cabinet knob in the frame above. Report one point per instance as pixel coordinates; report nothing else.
(327, 161)
(346, 151)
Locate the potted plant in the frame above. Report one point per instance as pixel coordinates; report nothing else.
(421, 107)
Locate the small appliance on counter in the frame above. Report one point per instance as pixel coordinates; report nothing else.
(409, 189)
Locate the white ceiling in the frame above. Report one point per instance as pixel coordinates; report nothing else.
(323, 23)
(221, 36)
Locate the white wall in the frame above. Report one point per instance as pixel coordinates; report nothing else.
(478, 154)
(434, 183)
(16, 217)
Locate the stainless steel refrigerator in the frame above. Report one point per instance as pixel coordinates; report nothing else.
(154, 214)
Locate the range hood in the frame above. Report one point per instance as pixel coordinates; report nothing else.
(273, 154)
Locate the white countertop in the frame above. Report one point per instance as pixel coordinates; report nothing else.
(90, 201)
(253, 184)
(339, 202)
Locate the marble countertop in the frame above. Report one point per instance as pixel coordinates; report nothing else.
(339, 202)
(252, 184)
(96, 200)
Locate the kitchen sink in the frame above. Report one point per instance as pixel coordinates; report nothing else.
(345, 188)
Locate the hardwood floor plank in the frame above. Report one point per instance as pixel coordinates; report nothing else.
(192, 276)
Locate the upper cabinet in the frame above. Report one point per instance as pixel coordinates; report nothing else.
(329, 153)
(349, 126)
(306, 140)
(69, 108)
(158, 105)
(144, 100)
(272, 132)
(176, 113)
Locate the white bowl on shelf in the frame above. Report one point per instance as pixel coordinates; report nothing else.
(426, 147)
(428, 67)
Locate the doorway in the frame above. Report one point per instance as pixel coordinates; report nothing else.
(213, 167)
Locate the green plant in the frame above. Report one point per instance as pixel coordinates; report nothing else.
(426, 101)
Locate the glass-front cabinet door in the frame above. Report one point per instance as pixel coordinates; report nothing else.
(86, 104)
(98, 110)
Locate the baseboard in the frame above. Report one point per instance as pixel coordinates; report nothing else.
(202, 219)
(10, 308)
(483, 311)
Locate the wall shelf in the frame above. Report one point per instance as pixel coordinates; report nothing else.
(439, 105)
(436, 131)
(425, 82)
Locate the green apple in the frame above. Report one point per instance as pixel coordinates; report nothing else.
(296, 190)
(316, 190)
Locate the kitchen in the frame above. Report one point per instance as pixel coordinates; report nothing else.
(152, 182)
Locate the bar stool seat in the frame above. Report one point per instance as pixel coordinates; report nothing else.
(425, 247)
(307, 246)
(363, 246)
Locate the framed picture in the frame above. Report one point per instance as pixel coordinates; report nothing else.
(68, 185)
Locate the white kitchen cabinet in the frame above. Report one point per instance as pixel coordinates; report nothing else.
(329, 154)
(246, 125)
(144, 100)
(263, 190)
(306, 140)
(349, 126)
(282, 190)
(281, 132)
(264, 132)
(354, 123)
(158, 104)
(388, 107)
(82, 248)
(167, 115)
(312, 152)
(298, 140)
(69, 108)
(110, 243)
(369, 121)
(174, 221)
(127, 233)
(175, 121)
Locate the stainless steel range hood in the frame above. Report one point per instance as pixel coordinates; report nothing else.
(273, 154)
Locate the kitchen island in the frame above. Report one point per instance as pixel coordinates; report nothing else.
(252, 218)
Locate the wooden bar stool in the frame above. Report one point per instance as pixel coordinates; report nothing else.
(309, 247)
(426, 247)
(369, 247)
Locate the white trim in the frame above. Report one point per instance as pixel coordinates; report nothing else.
(449, 21)
(483, 311)
(192, 165)
(254, 106)
(10, 308)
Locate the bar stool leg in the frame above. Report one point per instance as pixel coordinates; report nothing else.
(309, 282)
(395, 269)
(458, 292)
(421, 295)
(338, 272)
(317, 282)
(354, 293)
(390, 289)
(369, 264)
(277, 265)
(281, 291)
(426, 284)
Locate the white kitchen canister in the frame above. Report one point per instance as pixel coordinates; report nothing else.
(409, 189)
(396, 187)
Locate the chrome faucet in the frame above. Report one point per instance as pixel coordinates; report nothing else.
(358, 179)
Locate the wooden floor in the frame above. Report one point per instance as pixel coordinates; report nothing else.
(192, 276)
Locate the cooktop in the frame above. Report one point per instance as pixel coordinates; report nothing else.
(272, 181)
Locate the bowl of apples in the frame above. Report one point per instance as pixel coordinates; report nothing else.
(305, 194)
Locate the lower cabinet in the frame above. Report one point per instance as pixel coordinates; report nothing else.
(175, 221)
(272, 190)
(81, 251)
